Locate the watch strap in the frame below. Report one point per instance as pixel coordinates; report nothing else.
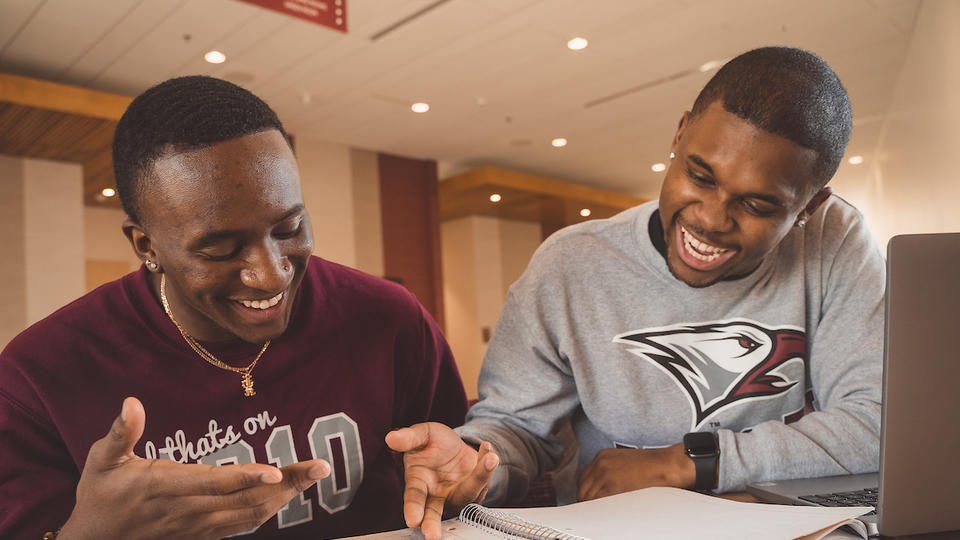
(705, 463)
(706, 467)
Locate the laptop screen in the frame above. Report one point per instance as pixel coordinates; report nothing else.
(920, 434)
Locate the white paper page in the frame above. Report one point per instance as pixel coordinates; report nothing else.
(680, 514)
(452, 530)
(842, 534)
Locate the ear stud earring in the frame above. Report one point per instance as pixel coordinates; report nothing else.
(152, 266)
(672, 155)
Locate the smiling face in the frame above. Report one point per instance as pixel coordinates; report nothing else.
(730, 195)
(228, 227)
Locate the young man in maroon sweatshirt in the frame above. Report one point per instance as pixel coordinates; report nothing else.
(232, 345)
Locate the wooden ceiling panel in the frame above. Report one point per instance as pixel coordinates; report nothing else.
(523, 197)
(45, 121)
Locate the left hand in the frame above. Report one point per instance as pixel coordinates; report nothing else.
(440, 471)
(617, 470)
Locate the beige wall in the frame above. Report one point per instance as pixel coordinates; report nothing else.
(367, 226)
(481, 256)
(13, 309)
(341, 189)
(108, 253)
(53, 225)
(460, 299)
(913, 184)
(328, 194)
(42, 240)
(104, 238)
(916, 178)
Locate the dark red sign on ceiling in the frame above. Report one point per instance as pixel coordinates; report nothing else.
(329, 13)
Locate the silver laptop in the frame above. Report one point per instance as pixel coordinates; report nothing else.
(918, 485)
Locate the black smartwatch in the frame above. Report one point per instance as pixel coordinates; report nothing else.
(704, 449)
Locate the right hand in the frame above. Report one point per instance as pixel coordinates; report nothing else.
(121, 495)
(439, 470)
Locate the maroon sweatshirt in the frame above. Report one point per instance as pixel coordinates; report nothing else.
(359, 358)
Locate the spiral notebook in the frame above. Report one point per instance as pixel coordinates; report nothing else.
(649, 513)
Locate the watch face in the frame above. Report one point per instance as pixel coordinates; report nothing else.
(700, 444)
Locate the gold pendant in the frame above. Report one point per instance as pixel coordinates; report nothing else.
(247, 383)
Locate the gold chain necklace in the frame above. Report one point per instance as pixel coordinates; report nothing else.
(245, 372)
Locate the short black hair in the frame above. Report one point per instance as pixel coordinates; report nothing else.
(181, 114)
(788, 92)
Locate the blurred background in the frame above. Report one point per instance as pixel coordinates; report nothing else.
(440, 142)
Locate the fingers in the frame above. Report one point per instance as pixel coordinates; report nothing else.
(117, 445)
(432, 518)
(414, 500)
(300, 476)
(589, 493)
(409, 439)
(474, 487)
(223, 480)
(255, 500)
(471, 489)
(586, 482)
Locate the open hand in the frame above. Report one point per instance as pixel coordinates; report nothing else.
(617, 470)
(439, 470)
(121, 495)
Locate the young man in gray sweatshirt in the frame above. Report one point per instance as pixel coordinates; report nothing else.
(729, 332)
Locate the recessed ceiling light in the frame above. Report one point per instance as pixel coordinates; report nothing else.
(420, 107)
(585, 212)
(577, 44)
(558, 142)
(108, 192)
(495, 197)
(658, 167)
(855, 160)
(215, 57)
(711, 65)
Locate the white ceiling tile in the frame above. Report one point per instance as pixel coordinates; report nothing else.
(367, 17)
(16, 14)
(190, 31)
(117, 40)
(900, 13)
(59, 32)
(350, 89)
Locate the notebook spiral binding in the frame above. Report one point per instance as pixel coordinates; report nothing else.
(506, 525)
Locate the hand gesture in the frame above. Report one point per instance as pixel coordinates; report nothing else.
(616, 470)
(121, 495)
(439, 469)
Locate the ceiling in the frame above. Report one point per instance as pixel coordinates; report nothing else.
(497, 74)
(44, 120)
(524, 197)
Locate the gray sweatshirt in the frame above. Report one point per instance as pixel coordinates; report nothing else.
(784, 363)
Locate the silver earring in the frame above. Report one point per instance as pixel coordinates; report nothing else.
(801, 222)
(152, 265)
(672, 155)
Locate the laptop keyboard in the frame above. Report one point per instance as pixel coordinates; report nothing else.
(863, 497)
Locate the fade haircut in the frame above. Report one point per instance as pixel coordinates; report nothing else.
(181, 114)
(787, 92)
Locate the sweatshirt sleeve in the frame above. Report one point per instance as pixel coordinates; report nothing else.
(845, 343)
(428, 382)
(526, 388)
(38, 477)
